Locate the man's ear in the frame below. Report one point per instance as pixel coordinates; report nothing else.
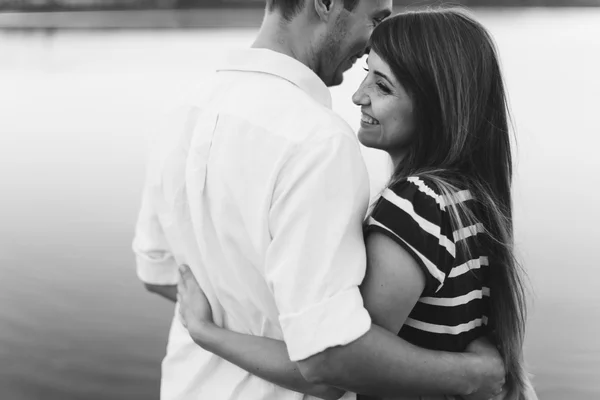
(324, 8)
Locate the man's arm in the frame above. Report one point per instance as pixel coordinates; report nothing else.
(155, 265)
(381, 364)
(314, 265)
(264, 357)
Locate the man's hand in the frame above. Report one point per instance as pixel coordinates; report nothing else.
(493, 374)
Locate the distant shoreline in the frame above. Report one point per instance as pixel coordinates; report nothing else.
(167, 19)
(132, 19)
(30, 6)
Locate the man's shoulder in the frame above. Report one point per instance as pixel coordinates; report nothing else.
(279, 107)
(275, 106)
(294, 107)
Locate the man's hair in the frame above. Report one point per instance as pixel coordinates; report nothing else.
(290, 8)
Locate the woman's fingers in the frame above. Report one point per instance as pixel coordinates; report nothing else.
(181, 291)
(182, 320)
(194, 308)
(184, 274)
(500, 395)
(179, 284)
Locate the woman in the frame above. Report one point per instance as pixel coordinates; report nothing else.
(441, 269)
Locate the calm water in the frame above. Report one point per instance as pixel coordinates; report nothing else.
(75, 111)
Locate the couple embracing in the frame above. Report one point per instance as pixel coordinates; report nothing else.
(255, 216)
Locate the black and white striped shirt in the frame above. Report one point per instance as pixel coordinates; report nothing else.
(453, 306)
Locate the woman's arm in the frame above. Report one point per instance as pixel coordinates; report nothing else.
(390, 289)
(263, 357)
(393, 283)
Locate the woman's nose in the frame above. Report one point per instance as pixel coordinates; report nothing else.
(359, 97)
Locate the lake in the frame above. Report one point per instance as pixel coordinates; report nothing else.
(76, 109)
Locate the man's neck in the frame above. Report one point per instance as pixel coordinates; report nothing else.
(286, 37)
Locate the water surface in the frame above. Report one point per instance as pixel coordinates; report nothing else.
(76, 110)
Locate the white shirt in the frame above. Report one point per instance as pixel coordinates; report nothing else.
(261, 189)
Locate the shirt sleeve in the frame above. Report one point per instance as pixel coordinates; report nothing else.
(411, 212)
(155, 263)
(316, 259)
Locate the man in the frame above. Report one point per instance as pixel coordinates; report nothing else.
(261, 189)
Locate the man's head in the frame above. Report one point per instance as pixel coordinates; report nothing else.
(333, 33)
(290, 8)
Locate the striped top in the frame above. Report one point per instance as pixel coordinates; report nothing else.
(453, 306)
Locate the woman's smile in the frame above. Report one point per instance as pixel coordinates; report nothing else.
(368, 121)
(387, 120)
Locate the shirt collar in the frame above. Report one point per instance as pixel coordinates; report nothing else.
(278, 64)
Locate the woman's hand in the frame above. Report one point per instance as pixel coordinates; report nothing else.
(492, 386)
(194, 309)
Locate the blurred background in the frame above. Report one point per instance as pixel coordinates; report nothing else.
(82, 84)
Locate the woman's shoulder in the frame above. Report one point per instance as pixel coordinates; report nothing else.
(413, 206)
(418, 193)
(426, 191)
(411, 212)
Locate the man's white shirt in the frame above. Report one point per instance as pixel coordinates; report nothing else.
(261, 189)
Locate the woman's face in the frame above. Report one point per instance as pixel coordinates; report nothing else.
(387, 121)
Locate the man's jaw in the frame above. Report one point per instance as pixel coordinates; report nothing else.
(336, 80)
(356, 57)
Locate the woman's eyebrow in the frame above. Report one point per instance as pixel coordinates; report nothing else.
(384, 76)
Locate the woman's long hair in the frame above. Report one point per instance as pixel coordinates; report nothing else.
(448, 64)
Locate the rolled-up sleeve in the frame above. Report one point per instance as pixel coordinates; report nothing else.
(155, 263)
(316, 259)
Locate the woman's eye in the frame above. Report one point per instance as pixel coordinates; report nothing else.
(366, 69)
(383, 88)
